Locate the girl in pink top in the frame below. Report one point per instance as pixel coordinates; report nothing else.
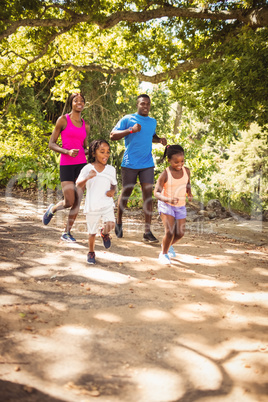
(171, 189)
(74, 132)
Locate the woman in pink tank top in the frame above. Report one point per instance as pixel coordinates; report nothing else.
(74, 134)
(171, 189)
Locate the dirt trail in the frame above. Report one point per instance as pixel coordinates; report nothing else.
(129, 329)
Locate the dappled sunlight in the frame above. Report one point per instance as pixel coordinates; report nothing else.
(194, 312)
(152, 381)
(8, 266)
(248, 367)
(9, 299)
(221, 350)
(210, 283)
(63, 366)
(261, 271)
(261, 298)
(114, 257)
(101, 275)
(191, 259)
(108, 317)
(153, 315)
(200, 371)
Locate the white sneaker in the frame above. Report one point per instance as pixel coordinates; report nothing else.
(164, 259)
(171, 252)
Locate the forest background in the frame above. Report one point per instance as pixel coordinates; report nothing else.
(203, 63)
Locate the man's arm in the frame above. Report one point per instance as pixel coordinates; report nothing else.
(119, 134)
(159, 140)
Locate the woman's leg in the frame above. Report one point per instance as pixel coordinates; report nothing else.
(68, 190)
(169, 225)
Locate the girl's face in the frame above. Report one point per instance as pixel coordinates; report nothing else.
(102, 153)
(78, 103)
(176, 161)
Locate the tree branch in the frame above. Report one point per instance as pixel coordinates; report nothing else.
(154, 79)
(253, 17)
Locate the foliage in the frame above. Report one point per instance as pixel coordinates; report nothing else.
(242, 179)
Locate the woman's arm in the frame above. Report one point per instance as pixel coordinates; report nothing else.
(61, 124)
(85, 145)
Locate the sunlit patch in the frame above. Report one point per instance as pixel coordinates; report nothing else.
(260, 298)
(5, 266)
(58, 306)
(107, 317)
(211, 283)
(101, 275)
(194, 312)
(154, 315)
(152, 382)
(8, 299)
(199, 370)
(112, 257)
(10, 279)
(261, 271)
(74, 330)
(191, 259)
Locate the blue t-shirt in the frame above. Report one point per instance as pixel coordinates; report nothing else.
(138, 152)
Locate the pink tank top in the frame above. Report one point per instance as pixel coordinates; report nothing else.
(176, 187)
(73, 137)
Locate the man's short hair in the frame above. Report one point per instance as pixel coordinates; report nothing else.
(143, 96)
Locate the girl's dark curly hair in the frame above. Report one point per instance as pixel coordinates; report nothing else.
(74, 96)
(93, 146)
(171, 150)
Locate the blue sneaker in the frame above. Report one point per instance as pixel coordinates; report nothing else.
(171, 252)
(91, 258)
(106, 240)
(48, 215)
(68, 237)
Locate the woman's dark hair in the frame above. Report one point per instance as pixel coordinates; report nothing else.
(171, 150)
(93, 146)
(74, 96)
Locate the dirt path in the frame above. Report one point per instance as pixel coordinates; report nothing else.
(129, 329)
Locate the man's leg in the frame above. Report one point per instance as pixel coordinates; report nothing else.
(147, 191)
(129, 178)
(147, 181)
(122, 202)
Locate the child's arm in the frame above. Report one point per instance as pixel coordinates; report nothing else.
(188, 187)
(81, 181)
(159, 187)
(111, 192)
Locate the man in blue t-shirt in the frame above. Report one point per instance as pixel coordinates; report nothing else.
(138, 131)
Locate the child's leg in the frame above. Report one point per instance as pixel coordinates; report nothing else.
(91, 242)
(169, 225)
(179, 230)
(107, 227)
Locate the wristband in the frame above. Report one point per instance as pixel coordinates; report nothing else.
(130, 130)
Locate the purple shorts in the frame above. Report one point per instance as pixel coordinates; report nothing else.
(176, 212)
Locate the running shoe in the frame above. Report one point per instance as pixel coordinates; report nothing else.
(119, 230)
(164, 259)
(171, 252)
(149, 238)
(91, 258)
(48, 215)
(106, 239)
(68, 237)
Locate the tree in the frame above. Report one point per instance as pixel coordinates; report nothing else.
(195, 43)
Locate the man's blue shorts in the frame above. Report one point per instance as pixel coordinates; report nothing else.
(176, 212)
